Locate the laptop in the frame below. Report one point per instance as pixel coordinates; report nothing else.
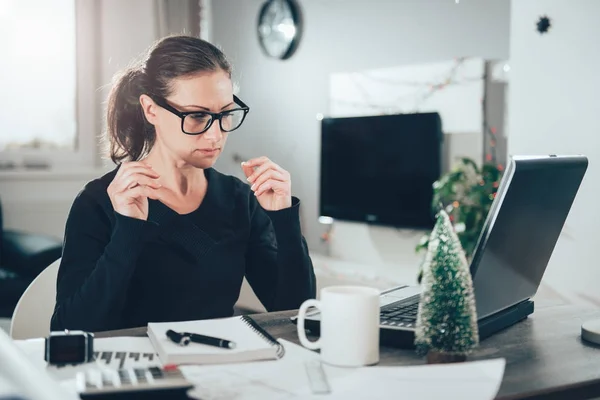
(523, 225)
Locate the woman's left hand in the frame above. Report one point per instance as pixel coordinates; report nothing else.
(271, 184)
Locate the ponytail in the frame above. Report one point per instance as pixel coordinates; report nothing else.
(130, 135)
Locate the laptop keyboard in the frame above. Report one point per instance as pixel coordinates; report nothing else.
(400, 314)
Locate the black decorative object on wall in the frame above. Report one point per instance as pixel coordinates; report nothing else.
(543, 24)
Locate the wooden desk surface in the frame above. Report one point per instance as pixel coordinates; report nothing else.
(545, 356)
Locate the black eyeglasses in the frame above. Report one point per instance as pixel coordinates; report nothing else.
(197, 122)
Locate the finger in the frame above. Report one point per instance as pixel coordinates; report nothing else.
(131, 164)
(247, 168)
(139, 170)
(251, 165)
(270, 174)
(255, 162)
(277, 186)
(125, 173)
(138, 192)
(264, 167)
(135, 180)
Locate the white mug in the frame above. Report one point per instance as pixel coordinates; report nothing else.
(349, 325)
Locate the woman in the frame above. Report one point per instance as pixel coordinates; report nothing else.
(164, 236)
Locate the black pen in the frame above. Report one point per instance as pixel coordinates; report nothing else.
(184, 338)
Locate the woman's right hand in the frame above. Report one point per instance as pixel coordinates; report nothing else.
(132, 186)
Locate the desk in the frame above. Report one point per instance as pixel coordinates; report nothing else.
(545, 357)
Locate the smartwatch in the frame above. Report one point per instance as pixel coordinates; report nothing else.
(69, 347)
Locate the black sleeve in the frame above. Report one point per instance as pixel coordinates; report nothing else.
(278, 266)
(97, 263)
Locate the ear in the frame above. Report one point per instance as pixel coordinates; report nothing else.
(149, 107)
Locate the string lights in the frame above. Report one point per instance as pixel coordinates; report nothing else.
(422, 91)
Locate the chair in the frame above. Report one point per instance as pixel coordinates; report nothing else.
(23, 255)
(32, 315)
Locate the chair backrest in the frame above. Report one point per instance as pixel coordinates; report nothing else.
(32, 315)
(1, 233)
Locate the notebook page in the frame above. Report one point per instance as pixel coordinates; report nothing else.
(234, 329)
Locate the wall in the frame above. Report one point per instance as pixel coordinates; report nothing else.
(119, 43)
(553, 108)
(122, 42)
(39, 201)
(341, 36)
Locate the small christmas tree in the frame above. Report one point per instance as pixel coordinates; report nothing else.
(446, 327)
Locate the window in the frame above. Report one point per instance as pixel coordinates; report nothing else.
(47, 92)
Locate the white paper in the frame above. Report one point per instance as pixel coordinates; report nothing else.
(477, 380)
(274, 379)
(17, 374)
(287, 379)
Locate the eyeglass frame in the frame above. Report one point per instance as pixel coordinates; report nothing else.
(182, 114)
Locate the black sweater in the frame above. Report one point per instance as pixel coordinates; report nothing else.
(119, 272)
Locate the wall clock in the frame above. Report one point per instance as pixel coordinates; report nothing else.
(279, 28)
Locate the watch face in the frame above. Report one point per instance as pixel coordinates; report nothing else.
(67, 349)
(279, 28)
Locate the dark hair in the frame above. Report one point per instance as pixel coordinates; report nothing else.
(130, 136)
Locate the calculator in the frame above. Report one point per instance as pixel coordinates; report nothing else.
(132, 383)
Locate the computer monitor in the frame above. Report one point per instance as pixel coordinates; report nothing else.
(399, 156)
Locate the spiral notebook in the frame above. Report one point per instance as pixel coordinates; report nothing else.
(253, 343)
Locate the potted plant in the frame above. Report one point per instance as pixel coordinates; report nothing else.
(466, 194)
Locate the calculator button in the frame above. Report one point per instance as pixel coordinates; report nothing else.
(110, 378)
(124, 377)
(132, 377)
(94, 378)
(156, 372)
(140, 374)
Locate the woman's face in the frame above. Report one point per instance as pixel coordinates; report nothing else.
(212, 92)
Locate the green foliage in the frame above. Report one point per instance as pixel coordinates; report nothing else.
(447, 318)
(466, 194)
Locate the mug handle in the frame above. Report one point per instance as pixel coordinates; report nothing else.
(300, 323)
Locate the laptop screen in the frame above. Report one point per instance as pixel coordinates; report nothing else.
(522, 228)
